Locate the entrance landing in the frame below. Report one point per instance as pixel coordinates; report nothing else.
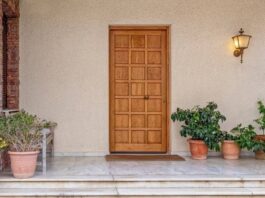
(94, 176)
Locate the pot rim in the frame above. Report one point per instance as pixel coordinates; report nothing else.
(23, 153)
(196, 141)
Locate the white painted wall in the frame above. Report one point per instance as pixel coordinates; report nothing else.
(64, 61)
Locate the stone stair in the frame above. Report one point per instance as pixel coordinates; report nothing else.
(135, 186)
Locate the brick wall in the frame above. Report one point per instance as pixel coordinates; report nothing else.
(1, 55)
(13, 63)
(10, 10)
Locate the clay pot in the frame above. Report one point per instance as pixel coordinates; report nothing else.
(260, 137)
(230, 150)
(198, 149)
(260, 155)
(23, 164)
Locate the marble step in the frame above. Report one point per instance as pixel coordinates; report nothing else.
(158, 181)
(133, 192)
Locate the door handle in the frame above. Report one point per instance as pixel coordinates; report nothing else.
(146, 97)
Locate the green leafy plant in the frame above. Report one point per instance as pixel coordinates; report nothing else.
(22, 131)
(201, 123)
(246, 136)
(261, 120)
(258, 145)
(229, 136)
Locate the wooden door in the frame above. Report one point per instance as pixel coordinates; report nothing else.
(138, 89)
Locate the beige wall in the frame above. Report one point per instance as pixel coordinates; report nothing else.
(64, 61)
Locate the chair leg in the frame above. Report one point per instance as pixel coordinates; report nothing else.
(44, 165)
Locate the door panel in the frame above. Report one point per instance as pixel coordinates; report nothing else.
(138, 89)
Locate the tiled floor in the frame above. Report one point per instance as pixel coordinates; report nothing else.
(60, 167)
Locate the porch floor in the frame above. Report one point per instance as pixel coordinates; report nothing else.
(211, 177)
(87, 167)
(98, 167)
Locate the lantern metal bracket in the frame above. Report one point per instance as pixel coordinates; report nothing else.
(239, 52)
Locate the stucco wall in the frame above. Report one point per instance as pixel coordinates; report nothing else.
(64, 61)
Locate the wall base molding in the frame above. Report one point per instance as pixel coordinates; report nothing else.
(181, 153)
(80, 154)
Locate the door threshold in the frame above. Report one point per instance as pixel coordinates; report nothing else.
(143, 157)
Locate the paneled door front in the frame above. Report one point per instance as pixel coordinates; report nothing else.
(138, 89)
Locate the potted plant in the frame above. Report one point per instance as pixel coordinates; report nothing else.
(22, 131)
(260, 154)
(247, 139)
(230, 149)
(201, 124)
(259, 149)
(246, 136)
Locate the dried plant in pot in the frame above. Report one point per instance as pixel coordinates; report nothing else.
(230, 149)
(22, 131)
(201, 125)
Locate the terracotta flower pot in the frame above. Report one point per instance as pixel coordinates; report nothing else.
(198, 149)
(230, 150)
(260, 155)
(23, 164)
(260, 137)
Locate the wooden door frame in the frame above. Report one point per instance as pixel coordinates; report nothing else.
(167, 28)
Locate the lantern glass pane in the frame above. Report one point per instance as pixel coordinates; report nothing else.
(243, 41)
(236, 42)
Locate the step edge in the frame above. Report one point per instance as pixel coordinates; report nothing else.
(122, 192)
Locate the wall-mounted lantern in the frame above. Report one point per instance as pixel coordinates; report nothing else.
(241, 42)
